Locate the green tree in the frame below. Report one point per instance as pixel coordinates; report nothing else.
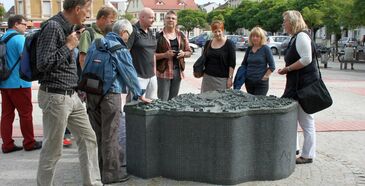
(128, 16)
(2, 13)
(190, 19)
(336, 16)
(358, 12)
(313, 18)
(223, 15)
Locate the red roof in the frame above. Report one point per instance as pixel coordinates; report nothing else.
(169, 4)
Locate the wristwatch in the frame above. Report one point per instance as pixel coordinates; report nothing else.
(230, 77)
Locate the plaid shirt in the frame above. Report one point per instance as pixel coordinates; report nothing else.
(165, 46)
(53, 56)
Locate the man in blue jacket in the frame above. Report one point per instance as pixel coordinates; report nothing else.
(105, 111)
(16, 93)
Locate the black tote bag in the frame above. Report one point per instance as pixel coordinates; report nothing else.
(314, 97)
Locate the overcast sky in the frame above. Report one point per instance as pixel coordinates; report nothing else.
(9, 3)
(199, 2)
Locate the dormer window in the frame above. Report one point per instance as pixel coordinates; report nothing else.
(181, 3)
(159, 2)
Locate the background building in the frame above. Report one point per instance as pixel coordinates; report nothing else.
(160, 7)
(39, 10)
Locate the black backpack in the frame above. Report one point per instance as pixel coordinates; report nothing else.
(5, 71)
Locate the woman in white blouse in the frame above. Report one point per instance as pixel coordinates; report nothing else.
(301, 70)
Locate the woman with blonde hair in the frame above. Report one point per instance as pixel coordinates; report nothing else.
(259, 63)
(301, 70)
(220, 60)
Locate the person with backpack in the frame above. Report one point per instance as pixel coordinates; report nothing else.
(111, 56)
(58, 98)
(15, 92)
(172, 49)
(105, 17)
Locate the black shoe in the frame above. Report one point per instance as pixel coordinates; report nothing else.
(297, 152)
(15, 148)
(302, 160)
(37, 145)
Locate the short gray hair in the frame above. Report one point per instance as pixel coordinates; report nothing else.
(122, 25)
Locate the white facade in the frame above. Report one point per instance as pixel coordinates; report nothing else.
(208, 7)
(234, 3)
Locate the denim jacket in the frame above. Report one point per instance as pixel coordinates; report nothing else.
(128, 76)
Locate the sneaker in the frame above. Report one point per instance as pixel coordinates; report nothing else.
(67, 142)
(15, 148)
(37, 145)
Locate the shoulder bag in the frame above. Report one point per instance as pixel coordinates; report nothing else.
(314, 97)
(199, 65)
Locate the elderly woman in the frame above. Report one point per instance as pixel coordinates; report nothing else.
(172, 48)
(259, 63)
(301, 70)
(220, 60)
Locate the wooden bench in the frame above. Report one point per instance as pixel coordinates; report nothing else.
(359, 58)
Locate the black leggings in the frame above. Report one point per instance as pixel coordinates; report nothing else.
(257, 87)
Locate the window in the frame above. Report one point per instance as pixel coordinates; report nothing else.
(162, 16)
(20, 7)
(46, 8)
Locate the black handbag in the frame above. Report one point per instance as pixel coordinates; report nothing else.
(314, 97)
(199, 65)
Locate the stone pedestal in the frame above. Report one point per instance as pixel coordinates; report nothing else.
(220, 137)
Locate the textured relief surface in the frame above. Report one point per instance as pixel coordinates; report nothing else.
(220, 137)
(218, 101)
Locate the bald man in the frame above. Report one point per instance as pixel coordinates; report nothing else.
(142, 44)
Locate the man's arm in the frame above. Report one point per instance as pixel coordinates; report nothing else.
(85, 43)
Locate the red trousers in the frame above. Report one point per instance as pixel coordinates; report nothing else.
(20, 99)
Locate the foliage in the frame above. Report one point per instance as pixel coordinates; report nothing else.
(128, 16)
(190, 19)
(2, 12)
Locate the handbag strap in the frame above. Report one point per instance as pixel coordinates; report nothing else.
(206, 48)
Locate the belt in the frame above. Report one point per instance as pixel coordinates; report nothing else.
(69, 92)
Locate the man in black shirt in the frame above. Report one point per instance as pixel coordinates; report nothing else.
(142, 44)
(57, 98)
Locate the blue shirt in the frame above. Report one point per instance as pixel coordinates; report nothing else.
(258, 63)
(14, 49)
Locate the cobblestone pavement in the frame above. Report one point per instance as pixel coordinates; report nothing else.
(340, 138)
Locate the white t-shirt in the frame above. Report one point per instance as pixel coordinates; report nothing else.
(304, 48)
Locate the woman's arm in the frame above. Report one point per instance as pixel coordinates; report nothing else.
(304, 49)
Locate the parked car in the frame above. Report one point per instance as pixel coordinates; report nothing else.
(274, 42)
(236, 39)
(284, 45)
(242, 45)
(201, 39)
(193, 47)
(345, 41)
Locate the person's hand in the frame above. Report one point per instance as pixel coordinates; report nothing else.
(79, 32)
(72, 41)
(169, 54)
(229, 83)
(181, 54)
(265, 78)
(145, 100)
(283, 71)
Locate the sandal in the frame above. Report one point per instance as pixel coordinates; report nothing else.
(302, 160)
